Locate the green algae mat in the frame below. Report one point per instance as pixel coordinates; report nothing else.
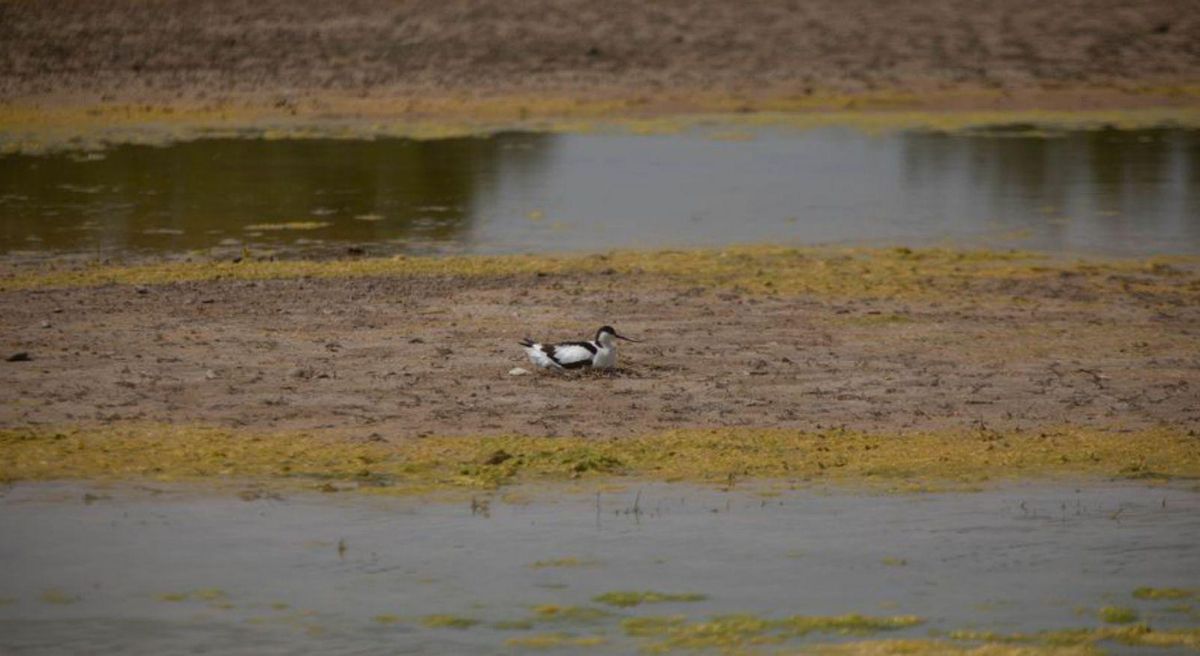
(718, 456)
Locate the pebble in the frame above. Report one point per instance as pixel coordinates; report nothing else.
(517, 371)
(21, 356)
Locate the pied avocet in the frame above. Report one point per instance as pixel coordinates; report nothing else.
(600, 353)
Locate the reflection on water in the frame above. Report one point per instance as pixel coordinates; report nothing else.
(199, 194)
(143, 570)
(1103, 191)
(1107, 190)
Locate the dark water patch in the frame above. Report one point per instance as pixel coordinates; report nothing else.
(1105, 191)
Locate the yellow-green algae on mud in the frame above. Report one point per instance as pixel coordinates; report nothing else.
(627, 598)
(741, 634)
(738, 632)
(1118, 615)
(902, 462)
(32, 129)
(1163, 593)
(555, 641)
(941, 648)
(568, 561)
(879, 273)
(1064, 642)
(448, 622)
(1139, 635)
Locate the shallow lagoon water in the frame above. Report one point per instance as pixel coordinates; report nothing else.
(152, 570)
(1108, 192)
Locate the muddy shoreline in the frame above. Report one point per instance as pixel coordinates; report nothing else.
(72, 63)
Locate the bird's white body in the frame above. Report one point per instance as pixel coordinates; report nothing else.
(600, 353)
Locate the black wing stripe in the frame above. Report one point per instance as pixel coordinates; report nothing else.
(550, 350)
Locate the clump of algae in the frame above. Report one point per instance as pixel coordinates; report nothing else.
(901, 462)
(1137, 635)
(942, 648)
(737, 632)
(769, 270)
(555, 641)
(287, 225)
(568, 614)
(1163, 593)
(1118, 615)
(212, 595)
(56, 596)
(448, 622)
(627, 598)
(652, 625)
(569, 561)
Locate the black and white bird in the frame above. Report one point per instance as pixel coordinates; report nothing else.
(600, 353)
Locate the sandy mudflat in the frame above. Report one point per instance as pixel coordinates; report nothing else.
(1026, 346)
(313, 58)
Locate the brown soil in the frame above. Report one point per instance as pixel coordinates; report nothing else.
(405, 356)
(293, 56)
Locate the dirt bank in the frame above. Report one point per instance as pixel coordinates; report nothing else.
(301, 57)
(885, 342)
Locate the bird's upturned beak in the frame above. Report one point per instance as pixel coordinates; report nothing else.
(628, 339)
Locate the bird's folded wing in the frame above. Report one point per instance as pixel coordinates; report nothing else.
(570, 356)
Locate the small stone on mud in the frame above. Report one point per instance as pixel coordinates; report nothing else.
(210, 374)
(142, 290)
(21, 356)
(45, 323)
(517, 371)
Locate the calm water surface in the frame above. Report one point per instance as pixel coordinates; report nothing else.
(92, 569)
(1102, 191)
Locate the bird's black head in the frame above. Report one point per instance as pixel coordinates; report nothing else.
(610, 331)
